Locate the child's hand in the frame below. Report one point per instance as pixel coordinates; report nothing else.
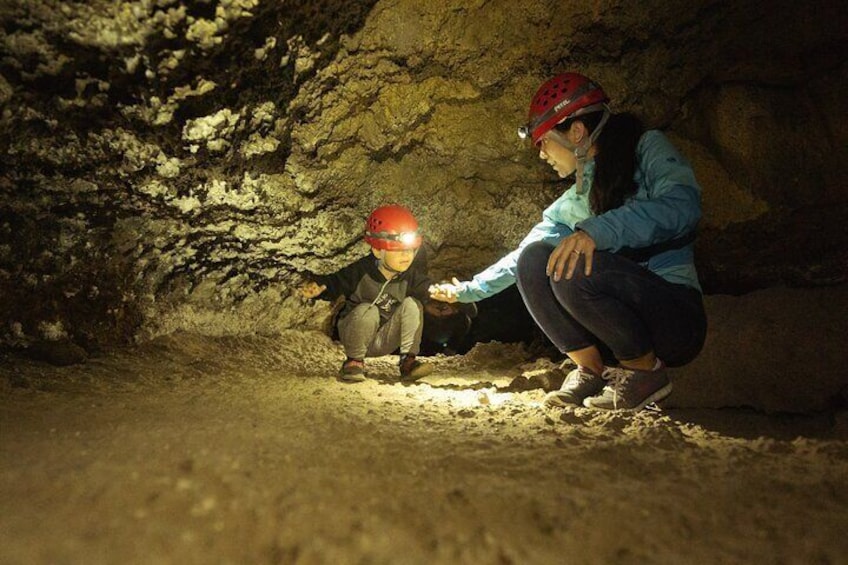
(311, 289)
(446, 292)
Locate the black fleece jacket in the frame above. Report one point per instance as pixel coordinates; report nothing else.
(362, 282)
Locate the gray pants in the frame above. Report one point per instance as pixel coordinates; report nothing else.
(363, 336)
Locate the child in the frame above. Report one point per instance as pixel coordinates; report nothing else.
(383, 296)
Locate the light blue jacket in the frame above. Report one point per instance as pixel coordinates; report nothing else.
(667, 205)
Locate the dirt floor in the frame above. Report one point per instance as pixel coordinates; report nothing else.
(202, 450)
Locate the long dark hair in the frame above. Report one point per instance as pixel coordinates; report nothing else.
(615, 161)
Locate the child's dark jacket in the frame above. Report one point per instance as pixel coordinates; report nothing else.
(362, 282)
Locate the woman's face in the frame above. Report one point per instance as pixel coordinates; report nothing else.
(554, 148)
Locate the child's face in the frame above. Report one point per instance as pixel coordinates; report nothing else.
(398, 261)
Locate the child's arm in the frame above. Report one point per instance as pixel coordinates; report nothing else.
(341, 283)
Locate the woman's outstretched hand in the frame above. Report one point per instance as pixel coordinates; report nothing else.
(567, 255)
(445, 292)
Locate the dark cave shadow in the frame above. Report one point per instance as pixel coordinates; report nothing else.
(748, 423)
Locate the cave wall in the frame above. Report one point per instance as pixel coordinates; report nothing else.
(175, 165)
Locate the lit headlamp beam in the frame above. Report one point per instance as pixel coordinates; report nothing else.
(408, 238)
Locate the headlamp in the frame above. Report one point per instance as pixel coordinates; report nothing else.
(409, 238)
(526, 130)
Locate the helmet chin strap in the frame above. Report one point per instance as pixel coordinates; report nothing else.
(582, 150)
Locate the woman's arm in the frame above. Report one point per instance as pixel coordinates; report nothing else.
(501, 274)
(667, 206)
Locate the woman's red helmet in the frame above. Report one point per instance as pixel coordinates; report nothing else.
(392, 228)
(564, 96)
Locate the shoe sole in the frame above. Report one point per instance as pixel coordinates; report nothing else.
(555, 400)
(655, 397)
(352, 378)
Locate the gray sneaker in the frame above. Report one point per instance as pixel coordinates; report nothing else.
(578, 385)
(630, 390)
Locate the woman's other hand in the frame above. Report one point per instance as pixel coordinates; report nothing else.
(567, 255)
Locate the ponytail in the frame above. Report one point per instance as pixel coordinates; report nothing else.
(615, 162)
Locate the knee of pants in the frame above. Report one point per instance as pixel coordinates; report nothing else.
(365, 313)
(533, 260)
(411, 309)
(410, 303)
(579, 286)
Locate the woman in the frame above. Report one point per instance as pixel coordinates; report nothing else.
(608, 274)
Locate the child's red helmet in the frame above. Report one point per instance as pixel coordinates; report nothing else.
(392, 228)
(562, 97)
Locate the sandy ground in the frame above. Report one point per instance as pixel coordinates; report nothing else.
(201, 450)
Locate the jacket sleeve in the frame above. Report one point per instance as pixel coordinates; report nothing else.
(419, 280)
(343, 282)
(502, 274)
(669, 207)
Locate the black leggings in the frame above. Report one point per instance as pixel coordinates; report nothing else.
(622, 308)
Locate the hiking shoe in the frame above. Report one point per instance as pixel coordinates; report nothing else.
(630, 390)
(580, 384)
(352, 371)
(412, 369)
